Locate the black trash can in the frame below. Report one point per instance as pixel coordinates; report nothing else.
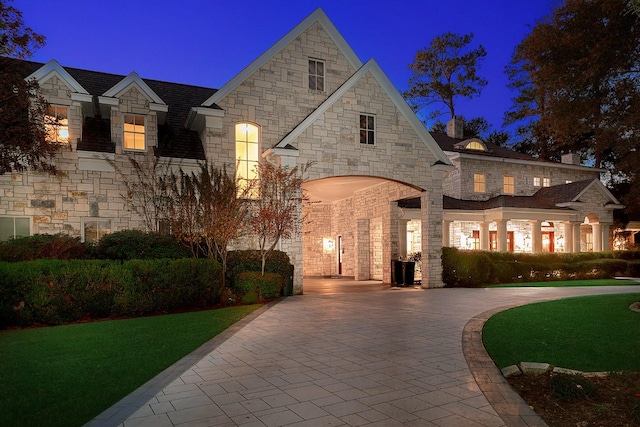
(396, 273)
(408, 272)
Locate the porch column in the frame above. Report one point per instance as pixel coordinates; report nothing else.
(402, 237)
(596, 232)
(604, 229)
(536, 236)
(362, 250)
(446, 234)
(575, 227)
(568, 237)
(502, 235)
(484, 236)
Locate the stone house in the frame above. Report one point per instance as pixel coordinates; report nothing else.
(381, 186)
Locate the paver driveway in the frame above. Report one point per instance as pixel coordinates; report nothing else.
(332, 358)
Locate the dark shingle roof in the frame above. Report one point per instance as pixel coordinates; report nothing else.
(174, 140)
(447, 143)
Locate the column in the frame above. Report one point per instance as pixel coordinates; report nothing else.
(604, 229)
(502, 235)
(536, 236)
(575, 226)
(402, 237)
(484, 236)
(597, 237)
(362, 250)
(446, 234)
(568, 237)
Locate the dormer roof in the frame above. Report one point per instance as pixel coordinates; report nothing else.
(133, 79)
(54, 69)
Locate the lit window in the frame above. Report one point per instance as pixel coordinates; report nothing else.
(536, 181)
(134, 132)
(546, 182)
(94, 229)
(568, 181)
(478, 183)
(475, 240)
(509, 186)
(247, 152)
(14, 226)
(474, 145)
(316, 74)
(57, 124)
(367, 129)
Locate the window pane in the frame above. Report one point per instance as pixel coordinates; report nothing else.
(363, 122)
(320, 68)
(312, 67)
(371, 139)
(6, 228)
(312, 82)
(320, 84)
(104, 227)
(23, 227)
(91, 231)
(370, 123)
(252, 133)
(129, 140)
(252, 152)
(241, 150)
(363, 136)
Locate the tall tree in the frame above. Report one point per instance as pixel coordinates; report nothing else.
(23, 137)
(276, 213)
(443, 71)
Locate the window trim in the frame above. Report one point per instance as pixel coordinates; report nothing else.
(14, 217)
(369, 132)
(479, 186)
(144, 132)
(314, 77)
(97, 220)
(53, 125)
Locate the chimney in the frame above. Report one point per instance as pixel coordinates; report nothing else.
(571, 159)
(455, 128)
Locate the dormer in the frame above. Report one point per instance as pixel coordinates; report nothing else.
(135, 111)
(474, 144)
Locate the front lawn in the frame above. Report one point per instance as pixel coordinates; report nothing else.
(562, 283)
(592, 333)
(66, 375)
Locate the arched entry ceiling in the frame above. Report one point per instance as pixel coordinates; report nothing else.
(329, 190)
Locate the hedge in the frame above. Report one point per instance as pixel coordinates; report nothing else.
(53, 291)
(42, 246)
(249, 260)
(462, 268)
(265, 288)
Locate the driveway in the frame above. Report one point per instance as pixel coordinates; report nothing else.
(341, 357)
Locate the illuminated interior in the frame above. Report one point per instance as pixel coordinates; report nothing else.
(133, 132)
(57, 124)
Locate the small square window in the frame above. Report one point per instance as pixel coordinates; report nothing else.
(316, 75)
(14, 226)
(536, 181)
(479, 183)
(93, 229)
(57, 124)
(134, 134)
(546, 182)
(509, 186)
(367, 129)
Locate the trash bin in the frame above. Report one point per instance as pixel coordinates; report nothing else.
(408, 272)
(396, 273)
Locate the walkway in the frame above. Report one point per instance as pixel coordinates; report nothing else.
(378, 358)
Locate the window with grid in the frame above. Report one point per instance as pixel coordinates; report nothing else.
(14, 226)
(316, 75)
(247, 153)
(479, 183)
(367, 129)
(134, 134)
(537, 182)
(57, 124)
(509, 185)
(546, 182)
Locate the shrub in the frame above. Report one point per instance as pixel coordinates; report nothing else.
(136, 244)
(54, 292)
(42, 246)
(249, 260)
(570, 387)
(266, 287)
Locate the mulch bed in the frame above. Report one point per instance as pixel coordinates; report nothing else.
(616, 402)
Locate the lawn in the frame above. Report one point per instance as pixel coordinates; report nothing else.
(564, 283)
(66, 375)
(592, 333)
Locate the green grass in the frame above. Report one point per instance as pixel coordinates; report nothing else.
(565, 283)
(592, 333)
(66, 375)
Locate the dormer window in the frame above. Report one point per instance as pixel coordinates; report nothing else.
(57, 124)
(316, 75)
(474, 145)
(134, 135)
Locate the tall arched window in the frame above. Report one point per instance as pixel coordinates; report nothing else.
(247, 151)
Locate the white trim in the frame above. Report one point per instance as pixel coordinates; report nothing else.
(133, 79)
(454, 155)
(81, 97)
(114, 102)
(317, 16)
(393, 94)
(53, 68)
(192, 117)
(600, 187)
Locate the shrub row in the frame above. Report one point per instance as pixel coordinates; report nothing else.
(474, 268)
(249, 260)
(54, 291)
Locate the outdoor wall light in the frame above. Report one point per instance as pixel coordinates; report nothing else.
(328, 244)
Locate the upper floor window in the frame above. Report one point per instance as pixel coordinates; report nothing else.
(57, 124)
(479, 183)
(93, 229)
(537, 182)
(247, 151)
(475, 145)
(14, 226)
(509, 185)
(134, 135)
(367, 129)
(546, 182)
(316, 74)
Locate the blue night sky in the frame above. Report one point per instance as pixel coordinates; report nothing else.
(207, 42)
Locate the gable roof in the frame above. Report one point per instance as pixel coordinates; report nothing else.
(370, 67)
(133, 79)
(572, 192)
(317, 16)
(53, 68)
